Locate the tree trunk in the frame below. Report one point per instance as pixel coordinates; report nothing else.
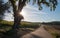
(17, 21)
(17, 10)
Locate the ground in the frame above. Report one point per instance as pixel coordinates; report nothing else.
(39, 33)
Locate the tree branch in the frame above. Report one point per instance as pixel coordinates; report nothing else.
(13, 2)
(21, 4)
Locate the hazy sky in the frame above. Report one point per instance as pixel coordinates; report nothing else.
(32, 14)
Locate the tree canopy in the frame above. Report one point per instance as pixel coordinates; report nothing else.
(21, 3)
(50, 3)
(3, 8)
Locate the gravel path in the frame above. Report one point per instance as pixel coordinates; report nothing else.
(39, 33)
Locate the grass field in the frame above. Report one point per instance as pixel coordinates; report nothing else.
(25, 27)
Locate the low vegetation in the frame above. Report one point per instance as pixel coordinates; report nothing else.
(25, 27)
(54, 30)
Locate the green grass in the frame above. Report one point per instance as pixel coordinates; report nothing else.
(6, 25)
(25, 27)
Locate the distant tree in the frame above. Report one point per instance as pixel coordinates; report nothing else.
(21, 3)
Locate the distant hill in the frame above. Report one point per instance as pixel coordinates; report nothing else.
(53, 22)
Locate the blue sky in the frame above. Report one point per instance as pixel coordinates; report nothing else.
(32, 14)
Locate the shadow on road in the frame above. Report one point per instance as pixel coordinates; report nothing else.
(35, 36)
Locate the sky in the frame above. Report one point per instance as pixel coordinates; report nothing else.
(32, 14)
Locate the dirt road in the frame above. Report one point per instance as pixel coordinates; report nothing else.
(39, 33)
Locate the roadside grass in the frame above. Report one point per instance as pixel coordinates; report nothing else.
(54, 31)
(7, 27)
(25, 27)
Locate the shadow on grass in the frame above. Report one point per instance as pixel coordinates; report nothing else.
(15, 33)
(11, 34)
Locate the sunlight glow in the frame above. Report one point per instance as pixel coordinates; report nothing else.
(23, 13)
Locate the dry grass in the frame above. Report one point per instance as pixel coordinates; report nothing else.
(53, 30)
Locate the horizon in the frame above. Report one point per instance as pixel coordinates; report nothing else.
(32, 22)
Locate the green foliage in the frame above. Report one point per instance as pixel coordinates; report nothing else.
(5, 25)
(29, 25)
(3, 8)
(50, 3)
(6, 22)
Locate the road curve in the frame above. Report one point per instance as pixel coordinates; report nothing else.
(39, 33)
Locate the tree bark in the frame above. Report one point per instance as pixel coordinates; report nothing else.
(16, 22)
(17, 19)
